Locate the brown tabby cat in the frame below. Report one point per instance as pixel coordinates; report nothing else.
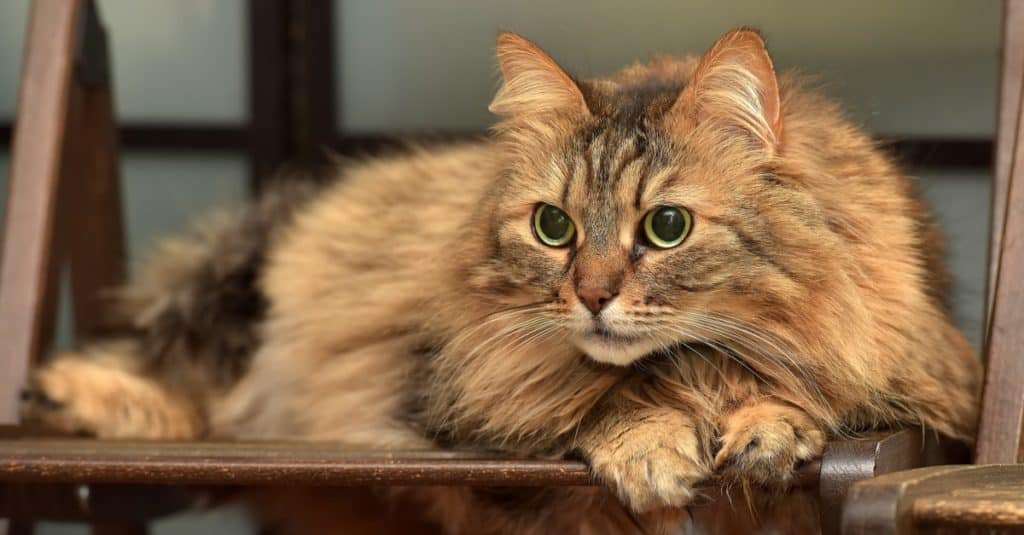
(689, 269)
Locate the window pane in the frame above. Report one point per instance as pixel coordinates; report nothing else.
(916, 67)
(13, 18)
(162, 193)
(177, 61)
(961, 202)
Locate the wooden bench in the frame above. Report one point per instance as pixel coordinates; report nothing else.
(64, 209)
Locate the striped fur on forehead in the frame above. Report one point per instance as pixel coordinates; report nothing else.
(611, 162)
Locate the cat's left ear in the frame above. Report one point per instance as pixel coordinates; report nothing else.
(533, 82)
(735, 82)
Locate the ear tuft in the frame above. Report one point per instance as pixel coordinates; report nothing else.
(735, 81)
(533, 82)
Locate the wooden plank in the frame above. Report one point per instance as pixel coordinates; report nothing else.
(267, 131)
(35, 461)
(915, 153)
(1001, 431)
(231, 464)
(54, 460)
(29, 261)
(958, 498)
(184, 137)
(845, 462)
(96, 234)
(1011, 78)
(312, 85)
(92, 209)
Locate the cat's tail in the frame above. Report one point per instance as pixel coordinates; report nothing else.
(184, 327)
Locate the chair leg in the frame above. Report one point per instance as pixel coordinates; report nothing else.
(31, 255)
(93, 207)
(64, 196)
(1011, 80)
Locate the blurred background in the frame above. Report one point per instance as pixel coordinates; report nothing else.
(204, 118)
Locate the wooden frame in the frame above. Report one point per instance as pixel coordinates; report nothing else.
(975, 499)
(64, 160)
(990, 494)
(67, 151)
(292, 106)
(67, 465)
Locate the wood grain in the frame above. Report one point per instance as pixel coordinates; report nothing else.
(846, 462)
(91, 207)
(1002, 411)
(267, 130)
(255, 463)
(1011, 78)
(29, 260)
(959, 498)
(61, 461)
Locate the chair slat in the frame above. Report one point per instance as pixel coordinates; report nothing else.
(29, 260)
(91, 203)
(1011, 79)
(1001, 430)
(55, 460)
(257, 463)
(962, 499)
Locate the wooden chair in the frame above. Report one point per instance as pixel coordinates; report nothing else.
(989, 495)
(64, 207)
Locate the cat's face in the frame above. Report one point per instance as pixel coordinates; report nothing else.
(637, 216)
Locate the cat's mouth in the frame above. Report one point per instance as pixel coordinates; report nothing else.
(610, 347)
(602, 334)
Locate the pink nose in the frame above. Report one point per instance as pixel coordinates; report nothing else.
(595, 297)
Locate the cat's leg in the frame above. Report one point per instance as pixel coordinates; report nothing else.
(763, 440)
(651, 457)
(101, 392)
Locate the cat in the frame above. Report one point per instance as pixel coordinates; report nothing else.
(691, 270)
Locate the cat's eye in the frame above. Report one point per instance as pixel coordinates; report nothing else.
(667, 226)
(553, 226)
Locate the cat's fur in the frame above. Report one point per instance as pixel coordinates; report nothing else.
(410, 305)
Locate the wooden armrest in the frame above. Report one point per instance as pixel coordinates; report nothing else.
(985, 497)
(55, 460)
(846, 462)
(28, 462)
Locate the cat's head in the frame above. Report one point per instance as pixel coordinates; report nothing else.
(650, 209)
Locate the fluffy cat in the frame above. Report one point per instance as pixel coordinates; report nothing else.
(692, 269)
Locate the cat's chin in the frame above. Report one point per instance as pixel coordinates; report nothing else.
(614, 350)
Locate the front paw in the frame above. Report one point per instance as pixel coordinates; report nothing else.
(763, 443)
(650, 461)
(55, 398)
(80, 395)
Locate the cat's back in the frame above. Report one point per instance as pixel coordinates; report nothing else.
(364, 255)
(350, 257)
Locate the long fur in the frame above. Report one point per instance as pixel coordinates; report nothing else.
(409, 305)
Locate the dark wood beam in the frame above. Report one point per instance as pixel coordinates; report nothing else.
(926, 153)
(935, 153)
(267, 132)
(291, 78)
(173, 138)
(312, 84)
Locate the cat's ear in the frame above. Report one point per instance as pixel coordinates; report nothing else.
(533, 83)
(735, 82)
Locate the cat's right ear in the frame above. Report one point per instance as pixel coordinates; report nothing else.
(533, 83)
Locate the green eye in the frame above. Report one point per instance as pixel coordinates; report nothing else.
(553, 226)
(667, 226)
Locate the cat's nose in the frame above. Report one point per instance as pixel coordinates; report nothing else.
(595, 297)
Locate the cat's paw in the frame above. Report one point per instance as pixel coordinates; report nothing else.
(763, 443)
(80, 395)
(650, 462)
